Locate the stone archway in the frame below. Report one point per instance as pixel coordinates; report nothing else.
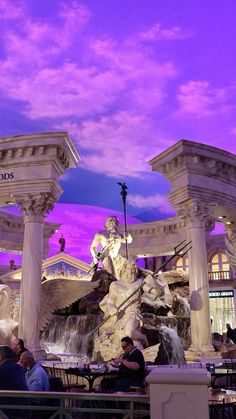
(203, 189)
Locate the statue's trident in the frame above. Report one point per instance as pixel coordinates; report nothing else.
(123, 194)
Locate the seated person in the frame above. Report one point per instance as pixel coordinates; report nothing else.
(36, 377)
(18, 347)
(12, 377)
(131, 366)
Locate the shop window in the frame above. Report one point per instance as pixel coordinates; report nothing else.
(219, 266)
(182, 263)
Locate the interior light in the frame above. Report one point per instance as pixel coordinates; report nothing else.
(221, 217)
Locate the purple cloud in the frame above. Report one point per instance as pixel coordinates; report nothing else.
(150, 202)
(156, 33)
(200, 99)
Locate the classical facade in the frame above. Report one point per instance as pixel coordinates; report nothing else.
(203, 191)
(30, 169)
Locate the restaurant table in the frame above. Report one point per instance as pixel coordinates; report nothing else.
(92, 374)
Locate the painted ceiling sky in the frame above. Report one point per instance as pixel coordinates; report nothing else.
(127, 79)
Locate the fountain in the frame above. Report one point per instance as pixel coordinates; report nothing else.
(139, 304)
(54, 297)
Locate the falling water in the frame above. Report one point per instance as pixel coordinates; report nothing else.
(171, 349)
(69, 335)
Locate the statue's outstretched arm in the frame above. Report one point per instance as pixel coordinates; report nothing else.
(94, 244)
(126, 237)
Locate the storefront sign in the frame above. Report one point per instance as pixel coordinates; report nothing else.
(221, 294)
(6, 176)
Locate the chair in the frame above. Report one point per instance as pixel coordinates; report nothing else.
(60, 373)
(220, 410)
(231, 380)
(74, 381)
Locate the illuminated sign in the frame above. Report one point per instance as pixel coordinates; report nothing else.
(221, 294)
(6, 176)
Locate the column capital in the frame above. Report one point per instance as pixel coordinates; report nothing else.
(36, 206)
(197, 214)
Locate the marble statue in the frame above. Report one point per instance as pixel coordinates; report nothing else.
(129, 318)
(156, 291)
(55, 294)
(110, 240)
(125, 321)
(12, 265)
(8, 324)
(62, 243)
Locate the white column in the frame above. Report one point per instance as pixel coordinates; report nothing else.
(33, 209)
(196, 215)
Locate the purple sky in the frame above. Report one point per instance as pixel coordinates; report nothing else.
(126, 79)
(79, 223)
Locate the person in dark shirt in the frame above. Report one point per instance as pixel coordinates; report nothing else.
(18, 347)
(12, 377)
(131, 366)
(230, 333)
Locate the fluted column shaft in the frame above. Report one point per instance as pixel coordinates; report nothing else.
(31, 281)
(196, 216)
(33, 209)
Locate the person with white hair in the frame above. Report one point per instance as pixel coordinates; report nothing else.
(36, 376)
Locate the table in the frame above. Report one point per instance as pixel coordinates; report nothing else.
(91, 375)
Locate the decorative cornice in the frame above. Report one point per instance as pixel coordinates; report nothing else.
(38, 146)
(35, 153)
(204, 166)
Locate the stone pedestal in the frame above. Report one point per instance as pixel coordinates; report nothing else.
(179, 393)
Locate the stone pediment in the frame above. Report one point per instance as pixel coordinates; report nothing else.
(60, 265)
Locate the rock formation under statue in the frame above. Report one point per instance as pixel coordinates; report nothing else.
(155, 304)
